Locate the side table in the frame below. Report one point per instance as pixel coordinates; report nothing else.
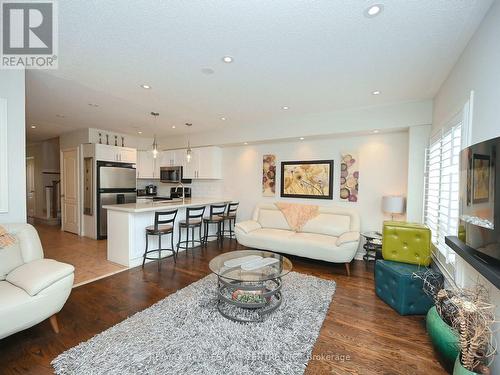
(372, 246)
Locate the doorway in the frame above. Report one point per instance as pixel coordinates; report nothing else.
(30, 188)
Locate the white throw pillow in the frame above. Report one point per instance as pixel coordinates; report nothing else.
(10, 258)
(273, 219)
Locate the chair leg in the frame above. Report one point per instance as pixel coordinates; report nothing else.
(145, 252)
(179, 239)
(159, 251)
(221, 233)
(53, 323)
(172, 246)
(348, 269)
(201, 238)
(192, 237)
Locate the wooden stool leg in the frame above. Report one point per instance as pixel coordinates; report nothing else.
(53, 323)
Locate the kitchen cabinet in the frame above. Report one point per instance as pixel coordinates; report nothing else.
(206, 163)
(115, 153)
(146, 165)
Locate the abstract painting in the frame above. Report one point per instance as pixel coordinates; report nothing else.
(268, 175)
(349, 178)
(307, 179)
(480, 178)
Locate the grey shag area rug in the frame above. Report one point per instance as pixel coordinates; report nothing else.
(185, 334)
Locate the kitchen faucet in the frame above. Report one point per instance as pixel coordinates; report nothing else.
(183, 193)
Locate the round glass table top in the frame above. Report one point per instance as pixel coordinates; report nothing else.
(250, 265)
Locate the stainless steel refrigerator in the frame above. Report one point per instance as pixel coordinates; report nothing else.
(116, 184)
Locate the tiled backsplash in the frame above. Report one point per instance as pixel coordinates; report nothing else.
(199, 188)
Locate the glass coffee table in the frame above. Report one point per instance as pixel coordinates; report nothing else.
(249, 283)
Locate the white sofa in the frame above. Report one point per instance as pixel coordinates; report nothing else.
(332, 236)
(32, 288)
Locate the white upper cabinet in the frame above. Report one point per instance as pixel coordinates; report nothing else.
(115, 153)
(206, 163)
(146, 165)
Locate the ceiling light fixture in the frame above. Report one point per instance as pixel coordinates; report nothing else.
(376, 92)
(245, 143)
(374, 10)
(33, 126)
(155, 144)
(376, 131)
(139, 132)
(144, 86)
(223, 118)
(227, 59)
(285, 107)
(93, 105)
(173, 126)
(301, 138)
(60, 116)
(188, 151)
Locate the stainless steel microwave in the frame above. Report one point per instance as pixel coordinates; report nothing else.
(171, 174)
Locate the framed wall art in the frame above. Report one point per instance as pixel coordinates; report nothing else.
(268, 175)
(307, 179)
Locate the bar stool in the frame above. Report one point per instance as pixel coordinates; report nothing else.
(194, 216)
(216, 217)
(230, 216)
(164, 224)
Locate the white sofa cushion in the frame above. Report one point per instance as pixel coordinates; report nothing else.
(39, 274)
(27, 236)
(10, 258)
(328, 223)
(272, 218)
(248, 226)
(347, 237)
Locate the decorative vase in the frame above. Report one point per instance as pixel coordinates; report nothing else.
(443, 337)
(458, 369)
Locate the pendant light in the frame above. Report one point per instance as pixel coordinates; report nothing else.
(189, 152)
(155, 144)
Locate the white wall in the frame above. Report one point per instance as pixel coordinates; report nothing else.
(12, 87)
(477, 69)
(383, 165)
(418, 140)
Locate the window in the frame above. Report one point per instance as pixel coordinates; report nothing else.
(441, 201)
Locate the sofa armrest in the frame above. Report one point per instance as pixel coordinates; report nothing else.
(248, 226)
(347, 237)
(35, 276)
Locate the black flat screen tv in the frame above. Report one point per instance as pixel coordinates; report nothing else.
(479, 215)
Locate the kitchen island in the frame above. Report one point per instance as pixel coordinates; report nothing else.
(127, 226)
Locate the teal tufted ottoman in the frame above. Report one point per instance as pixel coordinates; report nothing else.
(396, 286)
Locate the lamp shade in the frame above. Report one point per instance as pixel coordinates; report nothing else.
(393, 204)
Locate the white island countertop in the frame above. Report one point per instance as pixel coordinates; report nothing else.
(161, 205)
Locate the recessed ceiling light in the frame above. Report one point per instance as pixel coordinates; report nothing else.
(374, 10)
(376, 131)
(301, 138)
(223, 118)
(93, 105)
(285, 107)
(144, 86)
(227, 59)
(60, 116)
(376, 92)
(245, 143)
(173, 126)
(139, 132)
(33, 126)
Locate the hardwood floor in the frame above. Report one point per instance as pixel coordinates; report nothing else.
(360, 335)
(89, 257)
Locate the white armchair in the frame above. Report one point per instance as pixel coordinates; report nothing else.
(32, 288)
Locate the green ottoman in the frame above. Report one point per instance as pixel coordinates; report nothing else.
(396, 286)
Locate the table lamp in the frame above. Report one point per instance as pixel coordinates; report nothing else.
(393, 204)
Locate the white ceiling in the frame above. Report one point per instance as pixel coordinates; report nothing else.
(313, 56)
